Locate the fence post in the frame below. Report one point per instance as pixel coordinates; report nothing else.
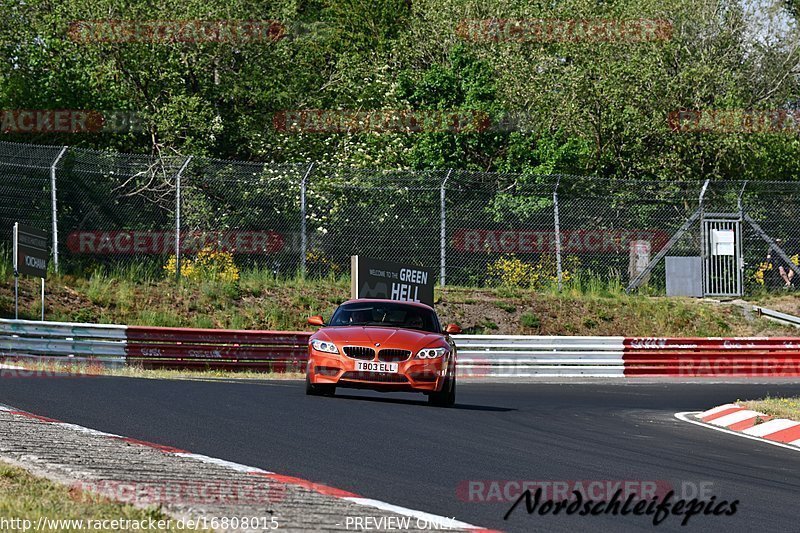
(739, 200)
(54, 205)
(303, 235)
(703, 236)
(14, 261)
(740, 240)
(178, 217)
(443, 230)
(559, 273)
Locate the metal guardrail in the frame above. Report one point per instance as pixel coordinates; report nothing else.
(783, 318)
(153, 347)
(150, 347)
(31, 338)
(507, 356)
(528, 356)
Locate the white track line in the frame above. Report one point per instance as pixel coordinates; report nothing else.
(684, 416)
(87, 430)
(222, 462)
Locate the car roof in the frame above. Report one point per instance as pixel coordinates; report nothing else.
(383, 300)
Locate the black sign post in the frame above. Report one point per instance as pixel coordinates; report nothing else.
(372, 278)
(30, 258)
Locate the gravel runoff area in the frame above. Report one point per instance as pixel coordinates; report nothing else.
(185, 486)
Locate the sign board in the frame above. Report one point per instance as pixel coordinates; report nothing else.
(31, 253)
(722, 242)
(372, 278)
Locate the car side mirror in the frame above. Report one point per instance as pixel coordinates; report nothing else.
(453, 329)
(316, 320)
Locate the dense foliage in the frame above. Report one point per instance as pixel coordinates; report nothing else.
(589, 108)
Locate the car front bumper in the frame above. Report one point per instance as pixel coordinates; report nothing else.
(413, 374)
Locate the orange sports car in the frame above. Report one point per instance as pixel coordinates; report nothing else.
(384, 345)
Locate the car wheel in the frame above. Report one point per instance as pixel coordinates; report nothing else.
(319, 390)
(311, 389)
(447, 396)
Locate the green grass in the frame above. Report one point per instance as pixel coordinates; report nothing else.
(529, 320)
(159, 317)
(27, 497)
(505, 306)
(119, 296)
(99, 288)
(776, 407)
(261, 300)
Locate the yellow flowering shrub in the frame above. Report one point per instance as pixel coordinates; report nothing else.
(758, 275)
(210, 264)
(511, 271)
(318, 262)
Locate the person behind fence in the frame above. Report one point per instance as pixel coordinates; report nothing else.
(782, 276)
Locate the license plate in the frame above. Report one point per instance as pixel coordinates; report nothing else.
(370, 366)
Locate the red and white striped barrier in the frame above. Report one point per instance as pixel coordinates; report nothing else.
(737, 418)
(712, 356)
(479, 355)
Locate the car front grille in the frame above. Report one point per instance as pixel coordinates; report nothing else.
(360, 352)
(375, 377)
(391, 355)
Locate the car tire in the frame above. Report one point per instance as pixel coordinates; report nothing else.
(311, 389)
(447, 396)
(319, 390)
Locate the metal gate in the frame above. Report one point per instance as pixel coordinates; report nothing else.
(721, 251)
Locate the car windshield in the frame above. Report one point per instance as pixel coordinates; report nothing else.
(396, 315)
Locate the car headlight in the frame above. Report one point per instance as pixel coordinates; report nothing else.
(324, 346)
(431, 353)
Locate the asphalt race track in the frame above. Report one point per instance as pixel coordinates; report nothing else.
(395, 448)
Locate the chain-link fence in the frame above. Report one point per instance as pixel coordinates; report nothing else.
(108, 210)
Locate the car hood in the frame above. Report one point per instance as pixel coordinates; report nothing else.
(408, 339)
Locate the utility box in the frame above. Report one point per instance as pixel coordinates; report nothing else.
(723, 242)
(684, 276)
